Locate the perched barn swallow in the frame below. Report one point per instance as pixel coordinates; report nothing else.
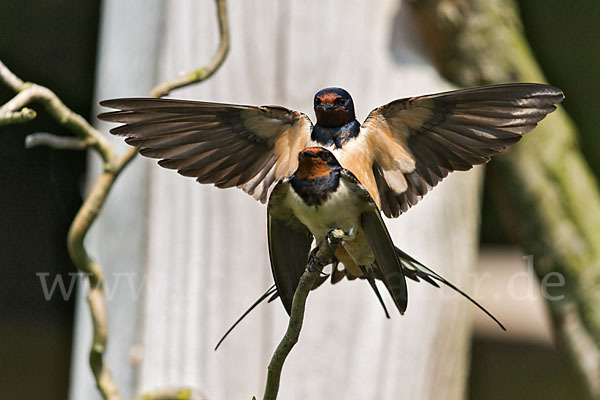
(319, 197)
(399, 153)
(322, 196)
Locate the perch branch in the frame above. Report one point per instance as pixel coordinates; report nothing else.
(31, 93)
(323, 255)
(56, 142)
(16, 117)
(544, 180)
(92, 138)
(207, 71)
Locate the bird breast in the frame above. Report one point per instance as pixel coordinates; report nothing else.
(341, 210)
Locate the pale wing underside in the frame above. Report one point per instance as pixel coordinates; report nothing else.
(419, 140)
(224, 144)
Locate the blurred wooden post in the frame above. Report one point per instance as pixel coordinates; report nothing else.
(200, 253)
(546, 193)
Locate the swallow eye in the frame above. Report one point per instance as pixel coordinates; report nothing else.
(340, 101)
(317, 102)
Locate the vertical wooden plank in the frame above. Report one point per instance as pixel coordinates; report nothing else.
(127, 53)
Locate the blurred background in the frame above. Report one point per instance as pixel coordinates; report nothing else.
(54, 44)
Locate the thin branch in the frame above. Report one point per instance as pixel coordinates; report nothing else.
(10, 79)
(207, 71)
(323, 256)
(16, 117)
(55, 142)
(30, 92)
(27, 93)
(291, 334)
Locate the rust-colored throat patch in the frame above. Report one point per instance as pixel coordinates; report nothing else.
(311, 165)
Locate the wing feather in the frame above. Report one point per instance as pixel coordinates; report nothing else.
(224, 144)
(446, 132)
(389, 268)
(289, 245)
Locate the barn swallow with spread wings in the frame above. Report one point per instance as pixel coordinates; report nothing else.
(401, 151)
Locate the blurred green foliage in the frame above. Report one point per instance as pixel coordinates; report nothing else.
(565, 36)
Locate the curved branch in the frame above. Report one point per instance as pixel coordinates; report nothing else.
(55, 142)
(30, 92)
(27, 93)
(9, 79)
(206, 72)
(17, 117)
(292, 333)
(322, 257)
(14, 111)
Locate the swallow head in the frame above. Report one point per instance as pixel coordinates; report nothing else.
(334, 107)
(316, 163)
(317, 176)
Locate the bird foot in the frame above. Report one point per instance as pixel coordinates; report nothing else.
(336, 237)
(324, 253)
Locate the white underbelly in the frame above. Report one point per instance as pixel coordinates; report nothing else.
(341, 210)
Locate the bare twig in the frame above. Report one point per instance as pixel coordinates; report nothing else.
(27, 93)
(307, 280)
(30, 92)
(10, 79)
(17, 117)
(93, 204)
(56, 142)
(206, 72)
(291, 334)
(172, 394)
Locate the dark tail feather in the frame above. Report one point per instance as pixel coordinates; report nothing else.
(270, 291)
(371, 279)
(427, 274)
(336, 274)
(275, 295)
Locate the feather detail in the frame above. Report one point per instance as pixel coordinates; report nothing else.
(444, 132)
(224, 144)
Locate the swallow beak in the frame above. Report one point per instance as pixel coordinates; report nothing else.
(323, 107)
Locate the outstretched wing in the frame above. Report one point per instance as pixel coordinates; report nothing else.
(224, 144)
(419, 140)
(289, 245)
